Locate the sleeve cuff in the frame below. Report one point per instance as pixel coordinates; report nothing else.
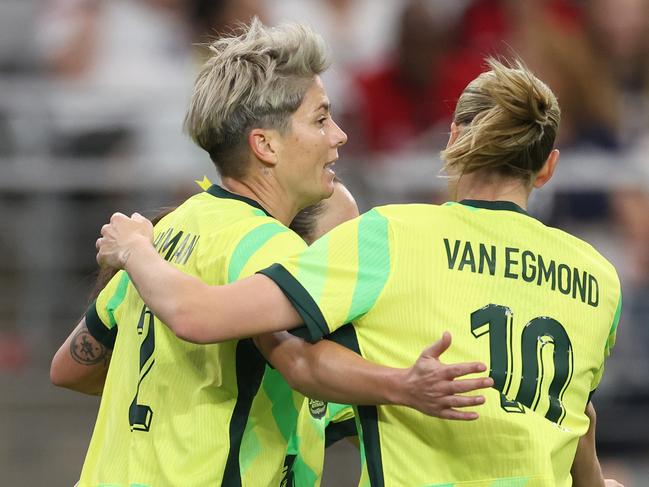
(97, 328)
(300, 299)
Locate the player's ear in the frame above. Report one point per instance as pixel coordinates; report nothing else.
(547, 171)
(455, 133)
(264, 144)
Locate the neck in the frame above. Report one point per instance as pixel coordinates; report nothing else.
(264, 189)
(477, 186)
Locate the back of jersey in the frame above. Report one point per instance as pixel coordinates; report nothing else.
(537, 305)
(174, 413)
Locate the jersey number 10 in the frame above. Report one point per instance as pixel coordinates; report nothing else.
(497, 321)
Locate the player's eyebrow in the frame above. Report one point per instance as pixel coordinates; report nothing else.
(325, 105)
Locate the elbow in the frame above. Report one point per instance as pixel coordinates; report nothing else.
(58, 375)
(56, 378)
(57, 371)
(299, 377)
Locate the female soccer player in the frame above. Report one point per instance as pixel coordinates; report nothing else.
(540, 305)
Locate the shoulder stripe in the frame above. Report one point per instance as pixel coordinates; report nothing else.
(117, 298)
(249, 245)
(373, 262)
(315, 281)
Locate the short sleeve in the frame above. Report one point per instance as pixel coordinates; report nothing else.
(340, 277)
(102, 314)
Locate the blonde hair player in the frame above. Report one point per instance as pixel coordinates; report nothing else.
(540, 305)
(175, 413)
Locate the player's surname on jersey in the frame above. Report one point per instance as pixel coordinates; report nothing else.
(176, 246)
(514, 263)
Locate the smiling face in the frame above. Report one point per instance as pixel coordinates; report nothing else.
(307, 151)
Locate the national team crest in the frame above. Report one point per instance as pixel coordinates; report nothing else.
(317, 408)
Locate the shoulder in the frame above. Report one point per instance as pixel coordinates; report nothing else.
(586, 251)
(410, 216)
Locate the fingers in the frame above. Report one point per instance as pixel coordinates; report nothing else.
(467, 385)
(137, 217)
(463, 401)
(452, 371)
(458, 415)
(117, 216)
(439, 347)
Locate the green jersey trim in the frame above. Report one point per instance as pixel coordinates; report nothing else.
(373, 263)
(219, 192)
(97, 328)
(249, 244)
(300, 299)
(117, 298)
(616, 321)
(281, 396)
(495, 205)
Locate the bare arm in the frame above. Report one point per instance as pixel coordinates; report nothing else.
(81, 363)
(334, 373)
(586, 471)
(193, 310)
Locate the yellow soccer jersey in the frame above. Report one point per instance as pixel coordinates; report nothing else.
(319, 425)
(538, 305)
(175, 413)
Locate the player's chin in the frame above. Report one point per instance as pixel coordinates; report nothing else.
(328, 182)
(328, 189)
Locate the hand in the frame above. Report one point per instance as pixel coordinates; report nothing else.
(433, 387)
(612, 483)
(120, 236)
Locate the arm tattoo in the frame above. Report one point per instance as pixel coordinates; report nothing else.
(86, 350)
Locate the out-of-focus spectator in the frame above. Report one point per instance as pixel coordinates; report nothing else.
(549, 36)
(358, 32)
(210, 18)
(398, 103)
(619, 30)
(113, 65)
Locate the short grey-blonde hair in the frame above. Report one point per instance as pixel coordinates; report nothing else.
(508, 121)
(255, 78)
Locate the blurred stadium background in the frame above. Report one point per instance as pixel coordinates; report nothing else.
(92, 96)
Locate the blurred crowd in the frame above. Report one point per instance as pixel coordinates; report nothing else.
(115, 75)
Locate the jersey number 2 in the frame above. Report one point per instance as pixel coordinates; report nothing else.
(139, 415)
(497, 321)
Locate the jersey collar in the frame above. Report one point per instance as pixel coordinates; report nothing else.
(495, 205)
(219, 192)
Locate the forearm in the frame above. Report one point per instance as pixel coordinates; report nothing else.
(337, 374)
(200, 313)
(334, 373)
(172, 295)
(586, 471)
(330, 372)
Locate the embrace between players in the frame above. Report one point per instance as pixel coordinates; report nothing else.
(202, 384)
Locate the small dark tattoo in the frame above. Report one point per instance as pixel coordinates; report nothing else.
(86, 350)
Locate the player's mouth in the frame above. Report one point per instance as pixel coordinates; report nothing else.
(329, 167)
